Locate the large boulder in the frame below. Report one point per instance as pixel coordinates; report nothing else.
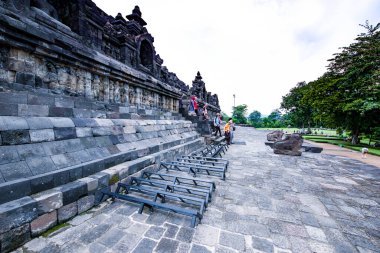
(290, 145)
(275, 135)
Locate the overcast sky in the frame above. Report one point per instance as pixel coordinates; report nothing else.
(256, 49)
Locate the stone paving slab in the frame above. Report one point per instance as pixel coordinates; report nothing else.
(268, 203)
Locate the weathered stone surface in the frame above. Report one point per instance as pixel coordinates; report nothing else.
(13, 171)
(167, 246)
(10, 240)
(13, 123)
(145, 246)
(64, 133)
(275, 136)
(48, 201)
(61, 112)
(41, 135)
(8, 109)
(39, 99)
(25, 78)
(73, 191)
(8, 155)
(33, 110)
(62, 122)
(17, 213)
(85, 203)
(290, 145)
(40, 165)
(39, 123)
(15, 137)
(83, 132)
(67, 212)
(232, 240)
(43, 223)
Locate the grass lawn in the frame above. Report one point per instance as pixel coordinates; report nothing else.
(292, 130)
(342, 143)
(330, 136)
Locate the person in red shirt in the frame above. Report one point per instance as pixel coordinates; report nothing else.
(194, 101)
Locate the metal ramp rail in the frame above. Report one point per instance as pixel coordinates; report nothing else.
(194, 169)
(192, 194)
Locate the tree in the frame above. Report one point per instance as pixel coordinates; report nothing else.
(299, 110)
(255, 118)
(239, 113)
(348, 95)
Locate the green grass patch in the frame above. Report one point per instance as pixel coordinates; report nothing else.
(114, 179)
(55, 228)
(342, 143)
(322, 132)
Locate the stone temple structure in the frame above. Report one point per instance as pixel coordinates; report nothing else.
(85, 102)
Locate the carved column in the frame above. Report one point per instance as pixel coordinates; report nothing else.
(106, 85)
(126, 94)
(87, 85)
(138, 97)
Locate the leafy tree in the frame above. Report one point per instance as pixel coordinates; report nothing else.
(348, 94)
(255, 118)
(299, 109)
(238, 114)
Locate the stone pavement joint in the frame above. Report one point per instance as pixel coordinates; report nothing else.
(269, 203)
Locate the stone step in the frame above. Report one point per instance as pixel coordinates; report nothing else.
(32, 215)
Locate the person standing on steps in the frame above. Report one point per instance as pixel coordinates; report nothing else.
(232, 126)
(217, 122)
(205, 113)
(192, 107)
(227, 131)
(194, 99)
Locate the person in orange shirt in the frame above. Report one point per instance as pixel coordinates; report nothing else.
(227, 131)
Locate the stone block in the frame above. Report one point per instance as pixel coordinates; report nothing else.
(48, 201)
(13, 123)
(83, 104)
(104, 122)
(97, 153)
(85, 122)
(62, 122)
(40, 99)
(85, 203)
(13, 98)
(61, 112)
(83, 132)
(92, 167)
(41, 135)
(14, 238)
(73, 191)
(8, 109)
(64, 102)
(39, 123)
(82, 113)
(129, 129)
(15, 137)
(98, 114)
(33, 110)
(92, 183)
(8, 155)
(43, 223)
(103, 179)
(59, 147)
(40, 165)
(16, 213)
(67, 212)
(14, 171)
(41, 182)
(80, 156)
(62, 161)
(64, 133)
(103, 141)
(88, 142)
(25, 78)
(14, 189)
(110, 130)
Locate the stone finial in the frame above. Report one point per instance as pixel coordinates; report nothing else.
(198, 76)
(137, 11)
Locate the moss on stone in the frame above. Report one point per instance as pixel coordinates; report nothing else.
(114, 179)
(55, 228)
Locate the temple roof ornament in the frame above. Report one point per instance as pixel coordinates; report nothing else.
(136, 16)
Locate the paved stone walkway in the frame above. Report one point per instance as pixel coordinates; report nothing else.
(269, 203)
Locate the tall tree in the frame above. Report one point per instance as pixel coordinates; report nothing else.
(239, 113)
(255, 118)
(348, 95)
(299, 110)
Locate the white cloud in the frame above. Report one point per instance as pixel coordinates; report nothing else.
(256, 49)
